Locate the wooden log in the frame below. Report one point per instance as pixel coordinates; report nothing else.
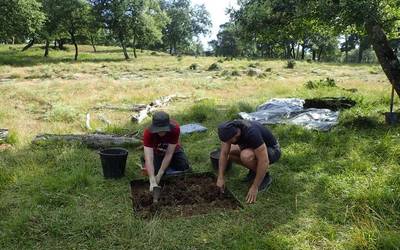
(130, 108)
(3, 135)
(91, 140)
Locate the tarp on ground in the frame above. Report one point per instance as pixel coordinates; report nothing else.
(291, 111)
(192, 128)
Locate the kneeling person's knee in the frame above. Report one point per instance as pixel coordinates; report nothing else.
(247, 156)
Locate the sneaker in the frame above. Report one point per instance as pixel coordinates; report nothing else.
(250, 176)
(265, 183)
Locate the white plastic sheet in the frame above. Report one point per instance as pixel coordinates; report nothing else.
(291, 111)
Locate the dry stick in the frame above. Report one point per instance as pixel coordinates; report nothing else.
(91, 140)
(88, 121)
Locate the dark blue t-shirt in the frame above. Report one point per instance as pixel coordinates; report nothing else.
(254, 134)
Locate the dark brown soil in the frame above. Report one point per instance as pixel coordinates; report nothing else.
(182, 196)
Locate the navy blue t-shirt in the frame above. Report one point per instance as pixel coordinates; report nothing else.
(254, 134)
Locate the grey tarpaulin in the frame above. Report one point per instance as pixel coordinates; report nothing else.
(192, 128)
(291, 111)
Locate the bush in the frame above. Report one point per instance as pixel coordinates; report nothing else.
(290, 64)
(194, 66)
(328, 82)
(235, 73)
(214, 67)
(268, 70)
(60, 113)
(153, 53)
(201, 111)
(220, 60)
(252, 65)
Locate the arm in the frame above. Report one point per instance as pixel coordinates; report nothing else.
(261, 155)
(166, 161)
(148, 158)
(262, 164)
(223, 161)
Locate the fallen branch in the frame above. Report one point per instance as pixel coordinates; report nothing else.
(91, 140)
(130, 108)
(163, 101)
(3, 134)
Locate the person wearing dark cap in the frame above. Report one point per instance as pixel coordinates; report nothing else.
(252, 145)
(162, 151)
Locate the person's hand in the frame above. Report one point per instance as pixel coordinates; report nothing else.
(252, 194)
(221, 184)
(158, 178)
(153, 183)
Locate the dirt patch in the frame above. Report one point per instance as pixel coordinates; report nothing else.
(182, 196)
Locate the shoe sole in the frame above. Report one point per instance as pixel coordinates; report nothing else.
(267, 186)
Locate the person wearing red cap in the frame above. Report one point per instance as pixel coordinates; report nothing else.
(162, 151)
(251, 145)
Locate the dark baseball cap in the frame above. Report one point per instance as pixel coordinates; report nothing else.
(226, 131)
(160, 122)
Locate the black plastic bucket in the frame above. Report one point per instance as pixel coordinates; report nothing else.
(392, 118)
(214, 157)
(113, 161)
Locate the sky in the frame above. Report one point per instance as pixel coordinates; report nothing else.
(218, 16)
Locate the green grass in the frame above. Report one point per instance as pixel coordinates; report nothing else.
(334, 190)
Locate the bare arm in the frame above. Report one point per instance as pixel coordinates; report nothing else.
(167, 158)
(223, 158)
(262, 164)
(149, 157)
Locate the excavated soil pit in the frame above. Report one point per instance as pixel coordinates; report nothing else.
(182, 196)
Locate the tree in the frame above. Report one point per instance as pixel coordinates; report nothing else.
(377, 18)
(129, 20)
(186, 23)
(20, 18)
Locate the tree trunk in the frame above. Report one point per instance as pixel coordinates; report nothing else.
(320, 54)
(92, 42)
(313, 54)
(75, 45)
(360, 54)
(298, 51)
(46, 48)
(30, 44)
(386, 56)
(134, 47)
(121, 40)
(13, 40)
(61, 44)
(302, 51)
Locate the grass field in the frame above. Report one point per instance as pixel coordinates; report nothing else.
(331, 190)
